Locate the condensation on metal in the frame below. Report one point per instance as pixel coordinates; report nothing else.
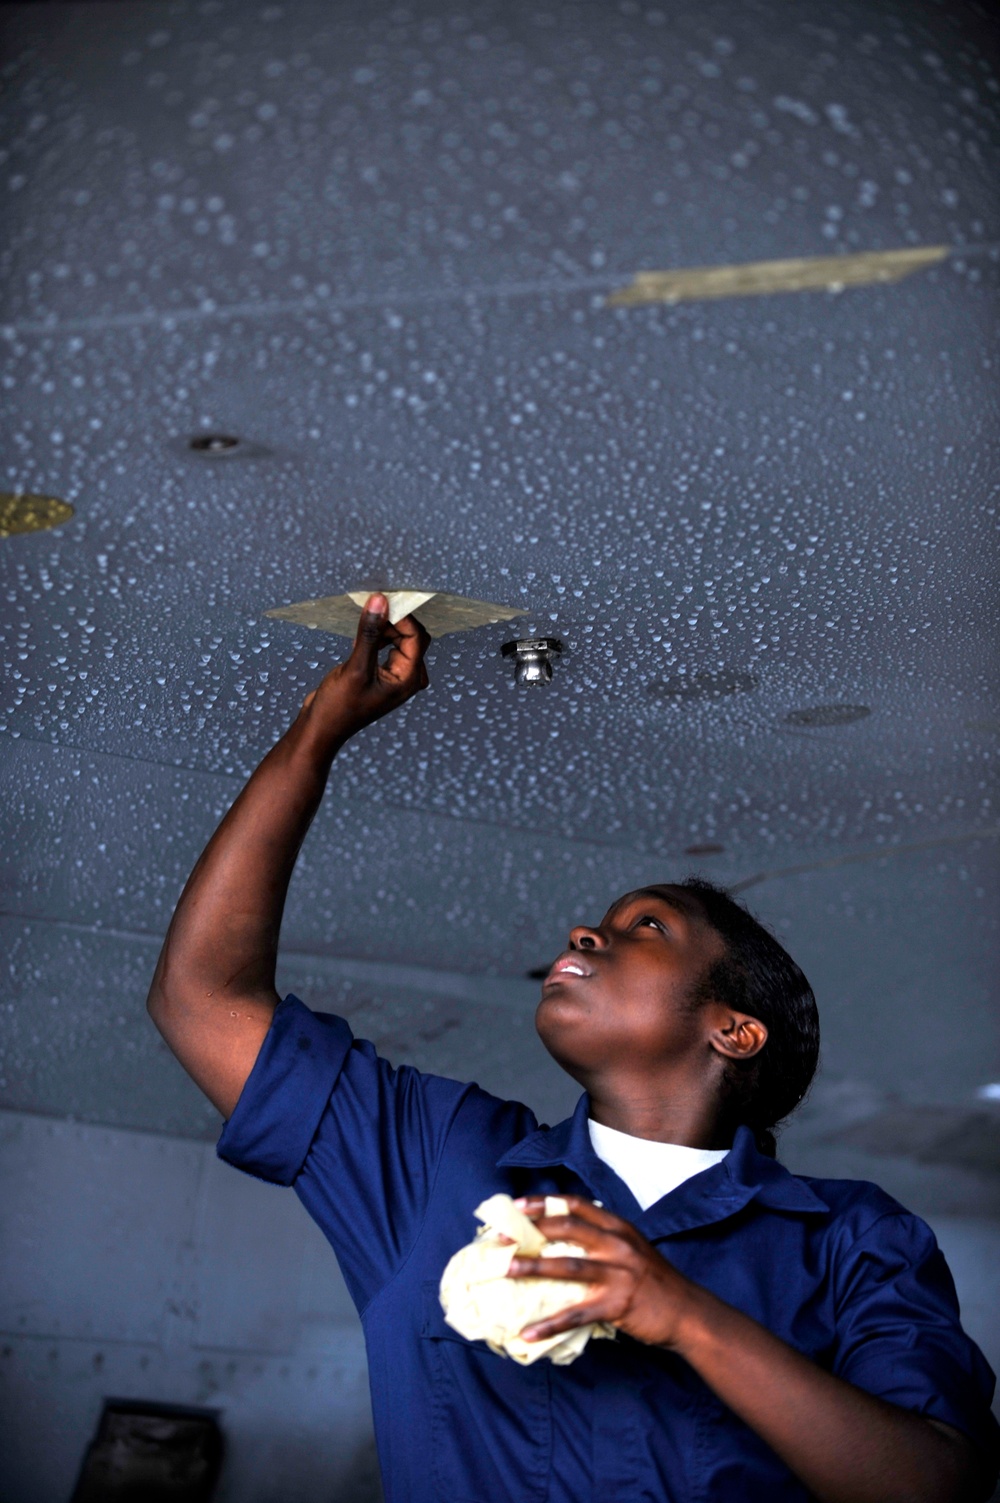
(312, 233)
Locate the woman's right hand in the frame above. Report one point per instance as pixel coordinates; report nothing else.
(361, 690)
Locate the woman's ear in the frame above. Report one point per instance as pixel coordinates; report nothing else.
(738, 1036)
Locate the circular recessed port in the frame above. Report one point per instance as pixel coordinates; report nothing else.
(704, 848)
(23, 511)
(837, 714)
(215, 445)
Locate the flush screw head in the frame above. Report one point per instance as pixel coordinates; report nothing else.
(533, 658)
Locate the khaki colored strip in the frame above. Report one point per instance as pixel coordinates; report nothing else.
(23, 511)
(758, 278)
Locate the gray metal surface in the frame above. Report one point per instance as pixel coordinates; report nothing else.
(138, 1265)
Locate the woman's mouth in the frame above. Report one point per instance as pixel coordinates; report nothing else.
(566, 966)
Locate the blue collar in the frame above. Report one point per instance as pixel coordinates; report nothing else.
(745, 1174)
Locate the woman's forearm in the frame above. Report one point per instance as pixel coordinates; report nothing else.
(223, 937)
(213, 993)
(844, 1444)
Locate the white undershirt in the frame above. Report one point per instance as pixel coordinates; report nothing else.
(651, 1170)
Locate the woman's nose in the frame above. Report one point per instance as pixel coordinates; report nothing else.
(582, 938)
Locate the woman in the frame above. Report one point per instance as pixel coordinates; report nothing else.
(779, 1338)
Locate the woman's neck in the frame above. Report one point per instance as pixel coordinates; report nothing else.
(660, 1115)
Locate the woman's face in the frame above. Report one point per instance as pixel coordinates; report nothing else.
(620, 997)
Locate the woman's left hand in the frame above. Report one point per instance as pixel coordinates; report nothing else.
(631, 1286)
(844, 1445)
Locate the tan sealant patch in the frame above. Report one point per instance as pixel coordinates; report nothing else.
(24, 512)
(401, 602)
(757, 278)
(437, 612)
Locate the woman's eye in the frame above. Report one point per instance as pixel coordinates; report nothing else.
(648, 918)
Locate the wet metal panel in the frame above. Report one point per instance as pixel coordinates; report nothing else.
(368, 254)
(75, 1260)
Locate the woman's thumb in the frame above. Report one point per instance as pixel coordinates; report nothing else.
(369, 636)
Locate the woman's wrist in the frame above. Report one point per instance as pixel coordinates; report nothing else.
(316, 738)
(695, 1314)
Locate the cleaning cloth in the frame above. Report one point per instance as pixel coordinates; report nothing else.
(482, 1304)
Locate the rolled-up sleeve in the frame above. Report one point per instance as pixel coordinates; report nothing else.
(900, 1336)
(274, 1122)
(359, 1140)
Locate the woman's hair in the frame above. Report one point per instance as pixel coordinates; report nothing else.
(757, 976)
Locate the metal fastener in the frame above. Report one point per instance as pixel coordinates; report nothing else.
(533, 658)
(215, 445)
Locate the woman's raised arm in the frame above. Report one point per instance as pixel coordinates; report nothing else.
(213, 992)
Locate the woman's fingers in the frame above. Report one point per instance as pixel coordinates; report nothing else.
(630, 1285)
(360, 690)
(583, 1270)
(566, 1320)
(368, 639)
(587, 1210)
(410, 640)
(613, 1244)
(407, 639)
(600, 1232)
(574, 1229)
